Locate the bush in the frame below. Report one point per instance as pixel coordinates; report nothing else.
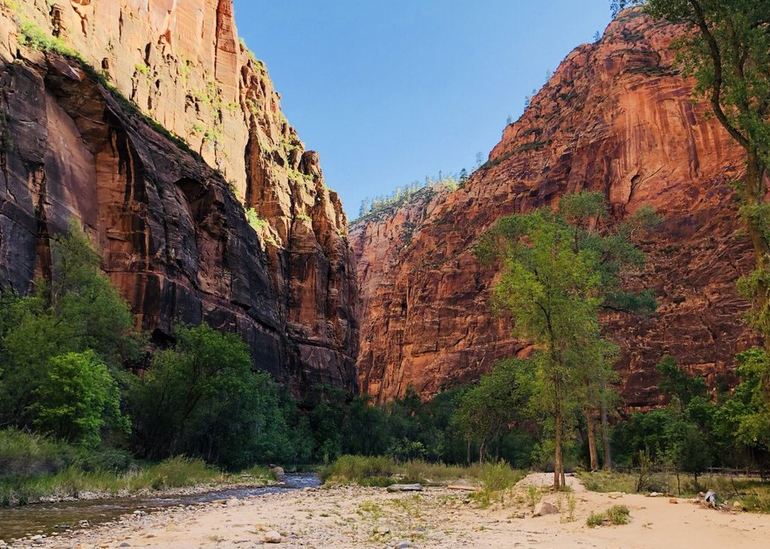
(27, 454)
(617, 515)
(357, 469)
(77, 398)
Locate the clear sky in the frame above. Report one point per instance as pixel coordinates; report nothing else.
(389, 91)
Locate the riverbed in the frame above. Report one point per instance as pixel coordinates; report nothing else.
(62, 517)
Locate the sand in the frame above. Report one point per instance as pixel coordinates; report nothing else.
(436, 517)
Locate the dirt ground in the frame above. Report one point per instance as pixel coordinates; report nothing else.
(435, 517)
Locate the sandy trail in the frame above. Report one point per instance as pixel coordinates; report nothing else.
(438, 517)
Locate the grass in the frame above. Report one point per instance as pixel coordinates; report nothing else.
(617, 515)
(73, 481)
(33, 467)
(751, 494)
(492, 478)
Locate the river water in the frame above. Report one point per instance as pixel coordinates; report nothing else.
(47, 518)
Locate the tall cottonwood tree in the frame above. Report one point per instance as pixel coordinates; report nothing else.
(559, 270)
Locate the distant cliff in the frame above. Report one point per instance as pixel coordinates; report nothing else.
(170, 226)
(618, 118)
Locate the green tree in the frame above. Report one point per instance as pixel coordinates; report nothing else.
(559, 270)
(487, 411)
(746, 414)
(77, 398)
(74, 312)
(202, 398)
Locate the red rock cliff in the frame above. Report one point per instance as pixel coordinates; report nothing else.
(171, 229)
(616, 117)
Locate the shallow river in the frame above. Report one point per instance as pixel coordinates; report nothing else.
(47, 518)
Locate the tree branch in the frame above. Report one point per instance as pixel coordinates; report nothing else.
(716, 87)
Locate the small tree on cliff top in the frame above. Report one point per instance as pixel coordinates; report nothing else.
(558, 271)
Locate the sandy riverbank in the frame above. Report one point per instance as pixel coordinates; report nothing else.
(436, 517)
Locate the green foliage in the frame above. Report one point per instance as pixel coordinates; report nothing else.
(489, 410)
(77, 399)
(202, 398)
(557, 272)
(62, 348)
(34, 37)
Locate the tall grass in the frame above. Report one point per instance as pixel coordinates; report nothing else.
(34, 467)
(382, 471)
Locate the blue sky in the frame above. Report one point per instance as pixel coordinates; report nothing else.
(389, 91)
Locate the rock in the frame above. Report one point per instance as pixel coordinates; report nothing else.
(619, 102)
(233, 502)
(271, 536)
(170, 230)
(278, 471)
(403, 545)
(405, 488)
(545, 508)
(125, 544)
(654, 494)
(673, 500)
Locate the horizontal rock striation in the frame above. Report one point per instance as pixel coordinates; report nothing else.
(618, 118)
(168, 218)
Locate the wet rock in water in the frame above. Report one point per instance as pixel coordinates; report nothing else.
(272, 536)
(405, 488)
(545, 508)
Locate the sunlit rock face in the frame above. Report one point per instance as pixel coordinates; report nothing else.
(167, 219)
(618, 118)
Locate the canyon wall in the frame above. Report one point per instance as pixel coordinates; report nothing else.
(156, 152)
(618, 118)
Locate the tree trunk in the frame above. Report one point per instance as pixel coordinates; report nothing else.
(468, 452)
(558, 460)
(606, 433)
(591, 428)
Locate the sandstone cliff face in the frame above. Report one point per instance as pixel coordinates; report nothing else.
(171, 229)
(616, 118)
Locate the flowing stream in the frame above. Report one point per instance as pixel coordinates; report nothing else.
(48, 518)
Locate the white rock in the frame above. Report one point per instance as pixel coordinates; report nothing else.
(272, 536)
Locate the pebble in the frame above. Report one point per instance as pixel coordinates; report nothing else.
(403, 545)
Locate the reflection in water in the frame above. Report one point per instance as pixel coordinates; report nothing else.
(46, 518)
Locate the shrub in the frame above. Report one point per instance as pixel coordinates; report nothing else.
(77, 398)
(26, 454)
(355, 469)
(617, 515)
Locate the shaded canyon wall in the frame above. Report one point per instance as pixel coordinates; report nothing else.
(168, 220)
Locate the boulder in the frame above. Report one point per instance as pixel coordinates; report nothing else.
(545, 508)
